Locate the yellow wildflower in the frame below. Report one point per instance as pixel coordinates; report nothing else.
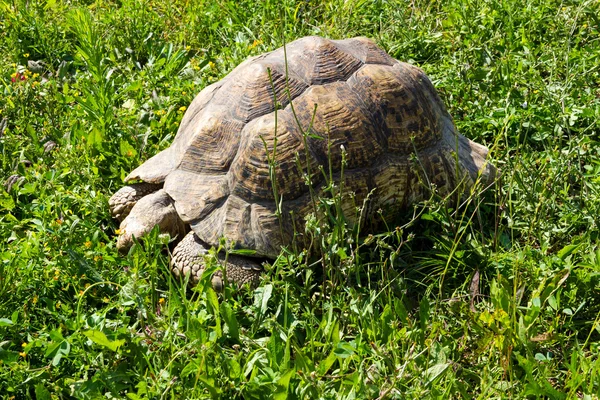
(255, 43)
(182, 108)
(88, 244)
(22, 354)
(161, 300)
(26, 55)
(24, 344)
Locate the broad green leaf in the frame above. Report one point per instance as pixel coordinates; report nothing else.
(209, 383)
(41, 393)
(434, 372)
(6, 202)
(282, 385)
(230, 320)
(95, 138)
(327, 363)
(213, 302)
(567, 250)
(126, 149)
(8, 356)
(345, 349)
(262, 296)
(424, 312)
(192, 367)
(100, 338)
(5, 322)
(57, 350)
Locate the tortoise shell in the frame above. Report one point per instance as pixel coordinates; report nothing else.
(283, 114)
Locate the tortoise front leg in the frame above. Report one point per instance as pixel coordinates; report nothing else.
(188, 258)
(154, 209)
(125, 198)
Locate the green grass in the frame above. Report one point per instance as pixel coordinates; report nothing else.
(498, 299)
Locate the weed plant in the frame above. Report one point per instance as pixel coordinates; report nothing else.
(496, 298)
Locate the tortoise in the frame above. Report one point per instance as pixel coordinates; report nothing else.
(344, 104)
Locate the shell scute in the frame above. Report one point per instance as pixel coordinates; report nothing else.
(252, 92)
(319, 61)
(213, 146)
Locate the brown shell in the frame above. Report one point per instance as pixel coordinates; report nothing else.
(347, 95)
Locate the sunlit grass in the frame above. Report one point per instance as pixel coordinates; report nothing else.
(497, 299)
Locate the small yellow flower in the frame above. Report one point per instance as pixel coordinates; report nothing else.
(161, 300)
(35, 75)
(22, 354)
(183, 93)
(35, 299)
(58, 305)
(24, 344)
(182, 108)
(13, 75)
(87, 285)
(26, 55)
(97, 258)
(254, 44)
(188, 48)
(105, 299)
(88, 244)
(81, 293)
(117, 231)
(212, 64)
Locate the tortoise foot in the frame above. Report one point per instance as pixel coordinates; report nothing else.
(188, 258)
